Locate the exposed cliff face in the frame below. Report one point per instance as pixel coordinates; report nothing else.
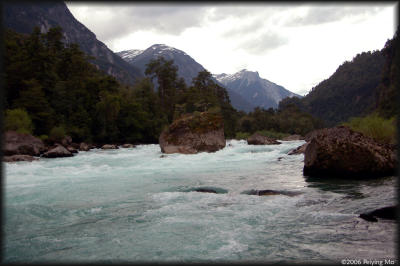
(24, 16)
(194, 133)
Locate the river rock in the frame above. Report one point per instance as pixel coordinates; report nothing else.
(18, 158)
(109, 147)
(341, 152)
(84, 147)
(205, 190)
(128, 145)
(299, 150)
(22, 144)
(193, 133)
(58, 151)
(269, 192)
(293, 137)
(384, 213)
(71, 149)
(258, 139)
(66, 141)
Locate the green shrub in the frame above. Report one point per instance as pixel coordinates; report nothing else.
(242, 135)
(18, 120)
(57, 133)
(272, 134)
(379, 128)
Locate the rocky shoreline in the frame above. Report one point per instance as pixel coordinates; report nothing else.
(25, 147)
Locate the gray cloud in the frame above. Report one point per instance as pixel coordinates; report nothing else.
(324, 14)
(263, 43)
(117, 20)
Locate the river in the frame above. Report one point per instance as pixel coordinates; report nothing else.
(137, 205)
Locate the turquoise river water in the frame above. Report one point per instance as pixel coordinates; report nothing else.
(135, 205)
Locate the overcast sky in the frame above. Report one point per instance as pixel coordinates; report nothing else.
(296, 45)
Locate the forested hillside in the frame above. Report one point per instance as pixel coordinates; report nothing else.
(56, 88)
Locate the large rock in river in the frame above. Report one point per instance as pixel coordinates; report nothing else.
(19, 158)
(258, 139)
(342, 152)
(18, 143)
(193, 133)
(58, 151)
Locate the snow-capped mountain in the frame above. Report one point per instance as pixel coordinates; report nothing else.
(188, 68)
(254, 89)
(129, 54)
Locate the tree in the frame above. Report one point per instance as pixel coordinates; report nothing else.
(18, 120)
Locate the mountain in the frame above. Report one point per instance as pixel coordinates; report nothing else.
(188, 68)
(349, 92)
(24, 16)
(254, 89)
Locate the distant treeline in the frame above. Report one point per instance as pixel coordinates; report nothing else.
(52, 90)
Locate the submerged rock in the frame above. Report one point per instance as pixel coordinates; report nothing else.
(268, 192)
(384, 213)
(258, 139)
(299, 150)
(193, 133)
(22, 144)
(109, 147)
(18, 158)
(205, 190)
(58, 151)
(341, 152)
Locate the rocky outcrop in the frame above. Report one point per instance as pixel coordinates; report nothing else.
(293, 137)
(384, 213)
(84, 147)
(128, 145)
(22, 144)
(258, 139)
(109, 147)
(299, 150)
(58, 151)
(18, 158)
(193, 133)
(342, 152)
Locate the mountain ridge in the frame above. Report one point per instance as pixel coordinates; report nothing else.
(24, 16)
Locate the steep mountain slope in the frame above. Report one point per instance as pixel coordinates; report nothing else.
(260, 92)
(351, 91)
(24, 16)
(188, 68)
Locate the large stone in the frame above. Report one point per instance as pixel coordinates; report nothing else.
(128, 145)
(299, 150)
(293, 137)
(109, 147)
(193, 133)
(384, 213)
(84, 147)
(341, 152)
(66, 141)
(18, 158)
(58, 151)
(258, 139)
(18, 143)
